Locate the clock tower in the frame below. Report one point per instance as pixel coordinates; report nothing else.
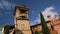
(21, 21)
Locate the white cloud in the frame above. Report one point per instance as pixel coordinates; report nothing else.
(1, 6)
(37, 20)
(7, 12)
(33, 11)
(0, 13)
(6, 5)
(48, 11)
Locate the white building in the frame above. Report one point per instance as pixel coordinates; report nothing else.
(1, 30)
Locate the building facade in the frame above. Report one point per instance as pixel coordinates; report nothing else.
(38, 28)
(1, 30)
(53, 25)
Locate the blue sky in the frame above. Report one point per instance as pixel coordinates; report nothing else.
(47, 7)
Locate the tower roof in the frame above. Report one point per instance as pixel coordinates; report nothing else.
(22, 7)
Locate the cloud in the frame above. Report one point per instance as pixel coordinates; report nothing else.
(48, 11)
(6, 5)
(37, 20)
(1, 6)
(0, 13)
(7, 12)
(33, 11)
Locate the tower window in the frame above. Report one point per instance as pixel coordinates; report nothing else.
(23, 16)
(22, 11)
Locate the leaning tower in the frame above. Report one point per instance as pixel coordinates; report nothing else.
(21, 20)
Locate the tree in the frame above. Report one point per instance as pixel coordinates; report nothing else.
(36, 32)
(6, 29)
(39, 32)
(33, 32)
(45, 29)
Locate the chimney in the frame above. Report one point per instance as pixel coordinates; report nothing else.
(56, 17)
(49, 18)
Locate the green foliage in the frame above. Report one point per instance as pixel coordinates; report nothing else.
(45, 29)
(33, 32)
(40, 32)
(36, 32)
(6, 29)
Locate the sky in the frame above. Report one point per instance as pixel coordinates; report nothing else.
(47, 7)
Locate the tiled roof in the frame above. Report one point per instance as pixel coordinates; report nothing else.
(39, 24)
